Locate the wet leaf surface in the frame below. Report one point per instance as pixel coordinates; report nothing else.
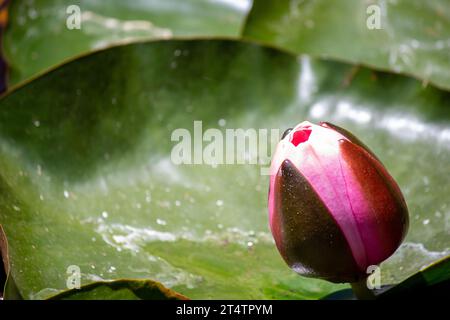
(433, 281)
(38, 36)
(87, 178)
(413, 35)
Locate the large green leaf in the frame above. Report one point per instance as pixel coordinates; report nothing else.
(414, 37)
(86, 176)
(432, 281)
(38, 37)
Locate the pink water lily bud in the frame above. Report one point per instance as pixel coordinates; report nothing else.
(334, 210)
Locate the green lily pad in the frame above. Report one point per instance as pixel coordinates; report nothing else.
(121, 290)
(413, 37)
(87, 177)
(433, 280)
(10, 290)
(38, 37)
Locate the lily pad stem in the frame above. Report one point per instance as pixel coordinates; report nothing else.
(361, 291)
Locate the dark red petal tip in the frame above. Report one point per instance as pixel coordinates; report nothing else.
(350, 136)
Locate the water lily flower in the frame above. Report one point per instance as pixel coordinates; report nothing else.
(334, 210)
